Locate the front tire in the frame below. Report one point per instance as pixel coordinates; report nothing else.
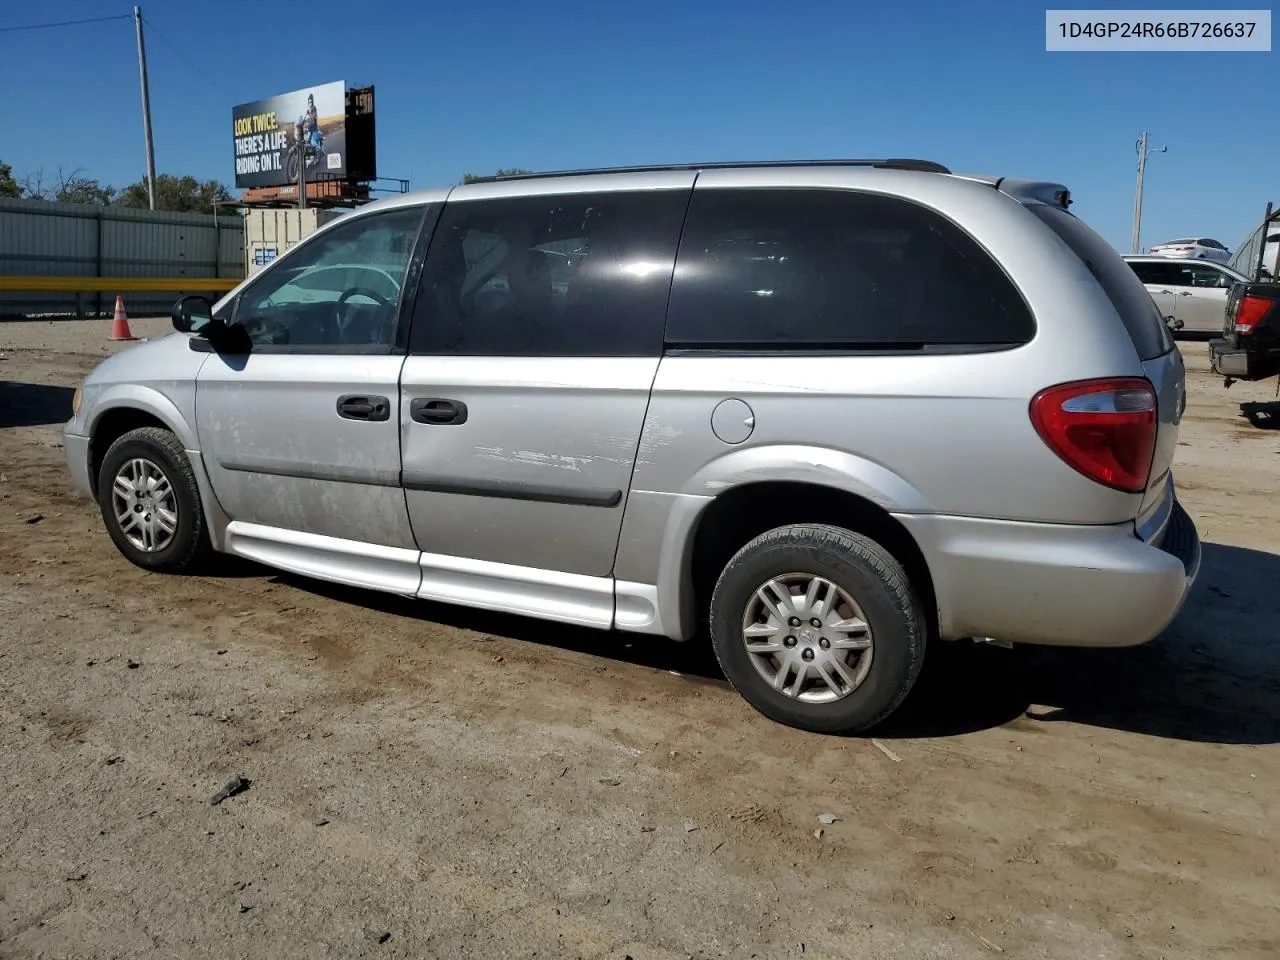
(150, 502)
(818, 628)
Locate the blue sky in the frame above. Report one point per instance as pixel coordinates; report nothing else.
(471, 87)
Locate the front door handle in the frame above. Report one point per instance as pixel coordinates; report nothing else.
(362, 407)
(438, 411)
(1184, 293)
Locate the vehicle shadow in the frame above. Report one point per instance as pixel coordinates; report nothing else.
(1263, 415)
(1213, 676)
(224, 566)
(694, 660)
(33, 404)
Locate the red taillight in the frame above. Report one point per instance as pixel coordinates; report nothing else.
(1250, 312)
(1106, 429)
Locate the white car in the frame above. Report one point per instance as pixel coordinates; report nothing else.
(1195, 293)
(1203, 248)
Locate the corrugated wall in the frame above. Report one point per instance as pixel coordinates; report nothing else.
(71, 239)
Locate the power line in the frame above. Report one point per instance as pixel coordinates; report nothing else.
(178, 51)
(64, 23)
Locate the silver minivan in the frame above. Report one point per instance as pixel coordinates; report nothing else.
(823, 414)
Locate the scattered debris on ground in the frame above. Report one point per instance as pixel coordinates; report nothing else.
(233, 787)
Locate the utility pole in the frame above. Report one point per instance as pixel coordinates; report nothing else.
(1135, 245)
(302, 174)
(146, 109)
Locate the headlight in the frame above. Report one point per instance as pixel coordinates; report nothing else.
(75, 402)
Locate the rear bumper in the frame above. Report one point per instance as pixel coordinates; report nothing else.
(1226, 361)
(1255, 364)
(1084, 586)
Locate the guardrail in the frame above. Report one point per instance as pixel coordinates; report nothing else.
(116, 284)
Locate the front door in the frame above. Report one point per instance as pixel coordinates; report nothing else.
(300, 430)
(1202, 297)
(536, 337)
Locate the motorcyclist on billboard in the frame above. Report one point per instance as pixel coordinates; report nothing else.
(308, 125)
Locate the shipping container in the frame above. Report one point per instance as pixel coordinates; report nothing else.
(269, 233)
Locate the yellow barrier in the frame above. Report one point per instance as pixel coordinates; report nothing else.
(115, 284)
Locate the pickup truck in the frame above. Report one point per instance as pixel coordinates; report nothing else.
(1249, 348)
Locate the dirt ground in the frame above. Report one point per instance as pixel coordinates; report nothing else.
(473, 785)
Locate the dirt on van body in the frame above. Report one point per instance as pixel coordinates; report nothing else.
(425, 781)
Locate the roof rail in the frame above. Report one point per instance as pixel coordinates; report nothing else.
(925, 166)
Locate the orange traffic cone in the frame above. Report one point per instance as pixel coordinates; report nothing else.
(120, 325)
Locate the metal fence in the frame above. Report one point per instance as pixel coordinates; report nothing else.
(39, 238)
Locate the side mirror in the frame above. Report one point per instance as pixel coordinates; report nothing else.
(192, 314)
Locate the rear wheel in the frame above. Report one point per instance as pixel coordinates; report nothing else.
(150, 502)
(818, 628)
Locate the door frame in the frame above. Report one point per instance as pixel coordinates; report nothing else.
(586, 597)
(368, 565)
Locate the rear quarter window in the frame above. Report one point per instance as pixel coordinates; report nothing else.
(764, 268)
(1156, 273)
(1141, 317)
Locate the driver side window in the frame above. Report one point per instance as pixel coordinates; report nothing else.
(1203, 276)
(338, 293)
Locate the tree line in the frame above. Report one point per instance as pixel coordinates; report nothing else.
(180, 194)
(502, 172)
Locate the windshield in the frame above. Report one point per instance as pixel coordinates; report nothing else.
(1245, 259)
(1231, 272)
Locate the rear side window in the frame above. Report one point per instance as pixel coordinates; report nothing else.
(770, 268)
(1147, 329)
(560, 276)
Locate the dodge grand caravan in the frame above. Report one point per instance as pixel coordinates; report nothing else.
(825, 414)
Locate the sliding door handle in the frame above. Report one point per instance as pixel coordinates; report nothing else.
(437, 411)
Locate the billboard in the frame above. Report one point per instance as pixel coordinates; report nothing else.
(304, 129)
(362, 138)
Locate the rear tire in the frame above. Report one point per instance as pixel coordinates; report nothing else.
(837, 633)
(150, 502)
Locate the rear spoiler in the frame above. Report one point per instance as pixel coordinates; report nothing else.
(1035, 191)
(1025, 191)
